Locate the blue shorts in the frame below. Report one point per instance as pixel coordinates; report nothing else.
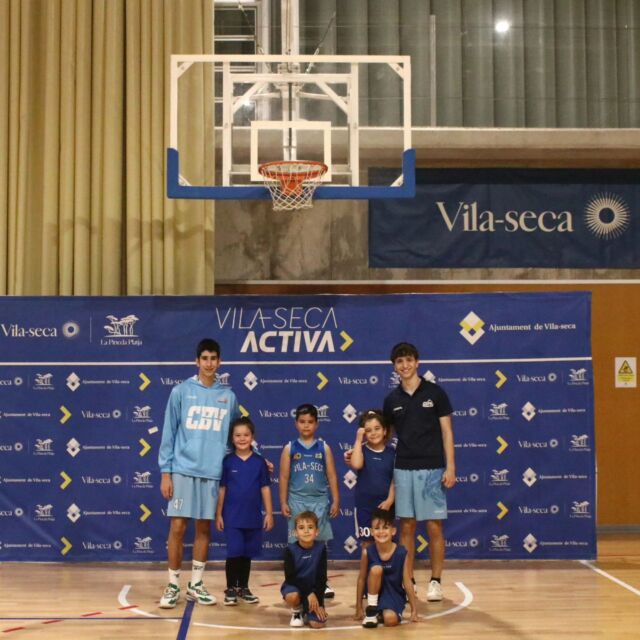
(319, 506)
(362, 519)
(289, 588)
(243, 542)
(420, 494)
(193, 497)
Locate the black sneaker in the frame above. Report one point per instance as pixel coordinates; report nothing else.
(370, 618)
(230, 597)
(246, 596)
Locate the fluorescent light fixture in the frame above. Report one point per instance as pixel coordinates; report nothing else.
(502, 26)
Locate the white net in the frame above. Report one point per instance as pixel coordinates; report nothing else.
(292, 183)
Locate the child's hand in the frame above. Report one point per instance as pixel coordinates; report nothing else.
(314, 606)
(414, 616)
(268, 522)
(359, 614)
(347, 456)
(360, 435)
(166, 486)
(385, 504)
(286, 512)
(449, 477)
(270, 466)
(219, 523)
(335, 508)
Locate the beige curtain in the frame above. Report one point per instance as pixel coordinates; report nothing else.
(84, 95)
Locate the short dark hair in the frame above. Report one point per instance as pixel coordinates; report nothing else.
(244, 422)
(306, 515)
(307, 410)
(387, 516)
(207, 344)
(404, 349)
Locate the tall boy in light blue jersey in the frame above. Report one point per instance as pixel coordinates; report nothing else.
(307, 476)
(194, 441)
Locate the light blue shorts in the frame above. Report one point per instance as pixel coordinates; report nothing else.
(420, 494)
(319, 506)
(193, 497)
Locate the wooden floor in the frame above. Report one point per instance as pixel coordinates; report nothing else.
(492, 599)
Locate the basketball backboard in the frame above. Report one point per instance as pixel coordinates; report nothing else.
(323, 108)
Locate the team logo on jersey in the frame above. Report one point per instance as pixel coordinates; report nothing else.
(297, 456)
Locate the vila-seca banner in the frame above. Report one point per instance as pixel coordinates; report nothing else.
(84, 383)
(510, 218)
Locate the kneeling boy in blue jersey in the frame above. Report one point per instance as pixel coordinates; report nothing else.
(385, 571)
(305, 573)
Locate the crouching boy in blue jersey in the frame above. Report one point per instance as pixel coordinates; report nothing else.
(385, 572)
(305, 573)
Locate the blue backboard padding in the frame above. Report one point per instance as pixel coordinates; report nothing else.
(176, 190)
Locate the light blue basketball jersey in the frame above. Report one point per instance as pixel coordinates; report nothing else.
(308, 475)
(196, 429)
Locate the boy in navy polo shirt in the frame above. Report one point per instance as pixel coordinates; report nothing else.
(244, 489)
(420, 413)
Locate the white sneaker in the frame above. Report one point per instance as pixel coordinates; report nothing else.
(296, 619)
(199, 593)
(370, 620)
(329, 592)
(170, 596)
(434, 591)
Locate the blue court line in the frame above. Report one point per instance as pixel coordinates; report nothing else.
(186, 620)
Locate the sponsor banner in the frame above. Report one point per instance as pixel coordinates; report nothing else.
(82, 408)
(515, 218)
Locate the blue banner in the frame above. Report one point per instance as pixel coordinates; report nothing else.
(510, 218)
(84, 383)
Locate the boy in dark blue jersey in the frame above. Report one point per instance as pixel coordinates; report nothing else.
(307, 476)
(305, 573)
(244, 489)
(384, 569)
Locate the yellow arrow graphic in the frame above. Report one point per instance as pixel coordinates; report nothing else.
(503, 444)
(66, 480)
(348, 341)
(323, 381)
(145, 381)
(145, 447)
(67, 546)
(243, 412)
(145, 513)
(66, 414)
(501, 378)
(503, 510)
(423, 544)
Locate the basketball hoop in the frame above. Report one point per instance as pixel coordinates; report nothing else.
(292, 183)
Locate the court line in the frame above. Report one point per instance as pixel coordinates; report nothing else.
(122, 599)
(186, 620)
(633, 590)
(467, 600)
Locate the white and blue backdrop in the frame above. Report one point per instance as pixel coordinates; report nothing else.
(84, 383)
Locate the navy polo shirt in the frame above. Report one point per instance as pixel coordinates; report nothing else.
(416, 420)
(243, 479)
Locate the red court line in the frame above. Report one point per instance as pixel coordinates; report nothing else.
(51, 621)
(13, 629)
(131, 606)
(88, 615)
